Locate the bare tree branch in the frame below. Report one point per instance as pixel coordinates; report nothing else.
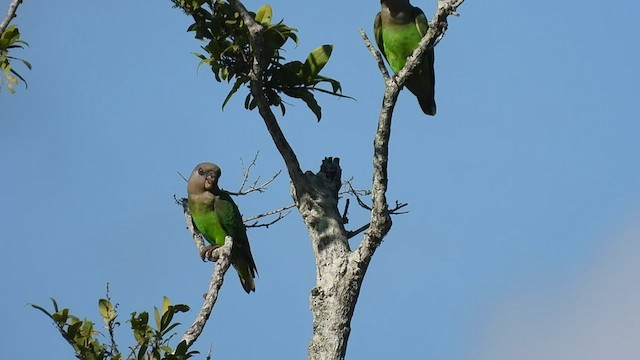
(13, 7)
(280, 212)
(393, 211)
(246, 172)
(182, 176)
(376, 54)
(267, 224)
(197, 238)
(222, 257)
(356, 194)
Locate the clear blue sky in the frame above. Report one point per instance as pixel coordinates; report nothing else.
(524, 196)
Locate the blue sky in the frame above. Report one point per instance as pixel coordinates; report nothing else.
(521, 241)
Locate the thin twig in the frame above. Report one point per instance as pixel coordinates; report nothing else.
(393, 211)
(247, 170)
(349, 189)
(197, 238)
(111, 325)
(255, 187)
(362, 228)
(376, 54)
(356, 194)
(280, 217)
(268, 213)
(13, 7)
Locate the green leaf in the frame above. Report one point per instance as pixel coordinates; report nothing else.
(72, 330)
(264, 15)
(166, 319)
(306, 96)
(156, 314)
(55, 304)
(181, 308)
(106, 310)
(234, 89)
(169, 328)
(61, 316)
(165, 304)
(42, 309)
(316, 60)
(142, 351)
(335, 85)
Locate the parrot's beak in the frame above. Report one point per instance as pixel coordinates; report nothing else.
(209, 180)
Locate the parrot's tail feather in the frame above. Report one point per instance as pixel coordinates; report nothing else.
(427, 105)
(246, 275)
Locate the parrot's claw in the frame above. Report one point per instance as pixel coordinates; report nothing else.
(394, 78)
(210, 253)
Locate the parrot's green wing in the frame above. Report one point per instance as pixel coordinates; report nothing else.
(421, 21)
(231, 222)
(377, 30)
(422, 83)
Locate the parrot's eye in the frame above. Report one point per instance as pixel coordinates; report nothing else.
(200, 171)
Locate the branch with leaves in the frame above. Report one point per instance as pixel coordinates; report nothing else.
(228, 51)
(10, 40)
(151, 343)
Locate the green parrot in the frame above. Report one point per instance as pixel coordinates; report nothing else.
(399, 27)
(216, 216)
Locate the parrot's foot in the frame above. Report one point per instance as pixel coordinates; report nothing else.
(394, 78)
(210, 253)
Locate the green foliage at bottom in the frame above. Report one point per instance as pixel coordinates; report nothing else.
(151, 342)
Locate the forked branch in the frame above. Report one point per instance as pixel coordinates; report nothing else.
(246, 172)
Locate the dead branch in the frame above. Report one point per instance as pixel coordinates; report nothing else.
(280, 212)
(392, 211)
(246, 171)
(197, 237)
(280, 217)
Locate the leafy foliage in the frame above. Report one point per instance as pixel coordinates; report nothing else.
(10, 39)
(229, 54)
(151, 342)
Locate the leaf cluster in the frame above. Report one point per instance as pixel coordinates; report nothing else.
(227, 51)
(151, 342)
(10, 39)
